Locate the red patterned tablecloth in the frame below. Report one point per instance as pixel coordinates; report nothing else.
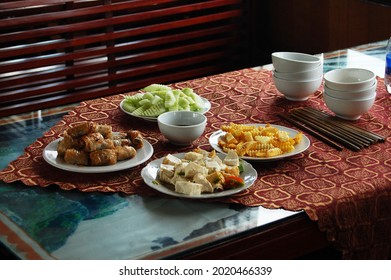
(348, 193)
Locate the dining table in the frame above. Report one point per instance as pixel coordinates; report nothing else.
(315, 199)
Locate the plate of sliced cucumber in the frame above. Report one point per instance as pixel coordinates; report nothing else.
(156, 99)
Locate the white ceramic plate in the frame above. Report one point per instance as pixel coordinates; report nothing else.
(154, 119)
(50, 156)
(301, 147)
(150, 172)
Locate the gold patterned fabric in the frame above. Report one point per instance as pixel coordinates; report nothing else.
(347, 192)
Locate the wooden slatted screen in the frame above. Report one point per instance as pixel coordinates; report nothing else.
(55, 52)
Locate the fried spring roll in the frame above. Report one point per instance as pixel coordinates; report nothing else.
(103, 129)
(103, 157)
(125, 152)
(64, 145)
(136, 138)
(99, 145)
(121, 142)
(90, 141)
(73, 156)
(69, 143)
(118, 136)
(80, 129)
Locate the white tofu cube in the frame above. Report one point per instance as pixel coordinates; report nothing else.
(171, 160)
(188, 188)
(193, 168)
(193, 156)
(231, 159)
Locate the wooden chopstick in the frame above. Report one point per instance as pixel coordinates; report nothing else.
(345, 125)
(361, 137)
(349, 137)
(328, 128)
(329, 133)
(312, 132)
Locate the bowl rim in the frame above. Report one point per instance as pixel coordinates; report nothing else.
(204, 119)
(332, 72)
(299, 81)
(374, 85)
(312, 59)
(303, 72)
(351, 100)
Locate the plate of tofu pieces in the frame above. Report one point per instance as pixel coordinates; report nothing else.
(199, 174)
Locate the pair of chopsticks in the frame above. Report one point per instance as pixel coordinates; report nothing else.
(330, 130)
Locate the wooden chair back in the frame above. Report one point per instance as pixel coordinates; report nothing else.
(56, 52)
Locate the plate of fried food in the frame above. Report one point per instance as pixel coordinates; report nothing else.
(199, 174)
(259, 142)
(89, 147)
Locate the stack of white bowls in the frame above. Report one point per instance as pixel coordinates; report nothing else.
(297, 75)
(349, 92)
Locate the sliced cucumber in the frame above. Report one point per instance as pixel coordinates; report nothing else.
(158, 99)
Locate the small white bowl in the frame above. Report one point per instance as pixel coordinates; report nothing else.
(294, 62)
(349, 109)
(182, 127)
(352, 94)
(300, 76)
(297, 90)
(352, 79)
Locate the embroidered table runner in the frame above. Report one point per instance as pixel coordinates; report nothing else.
(347, 192)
